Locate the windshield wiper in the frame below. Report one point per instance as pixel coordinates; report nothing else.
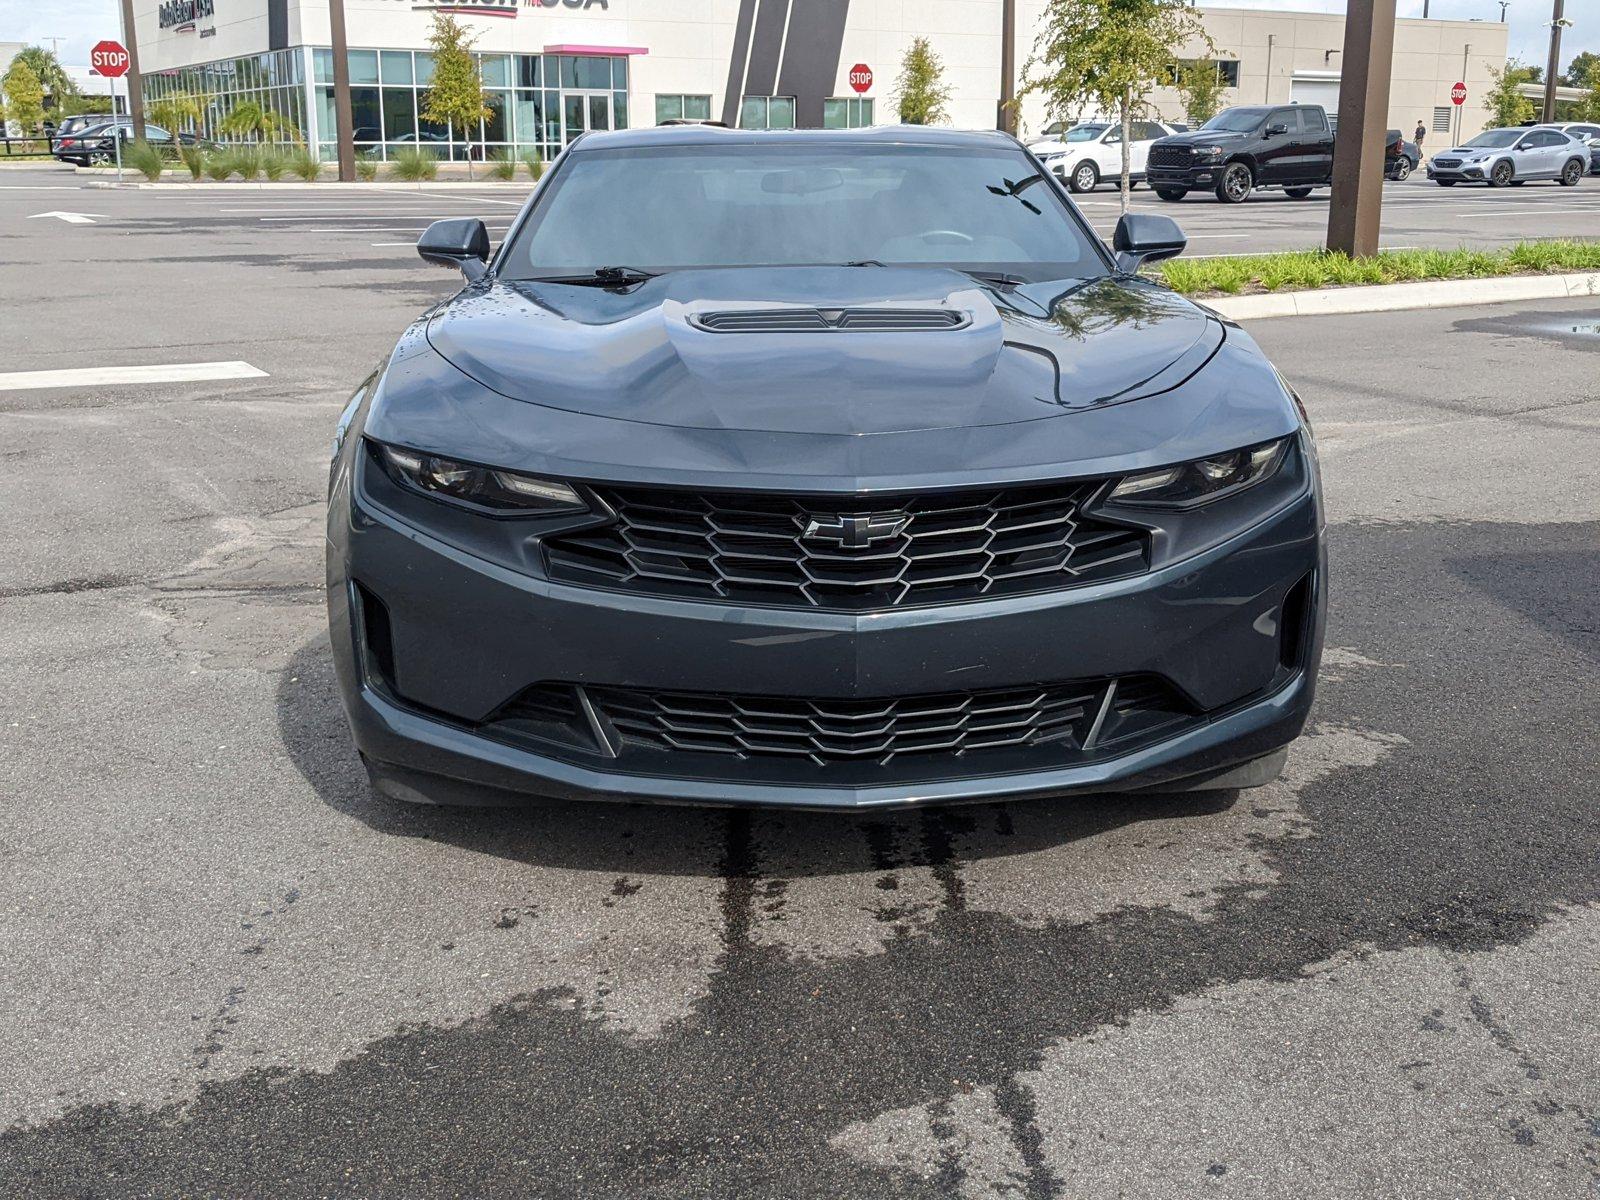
(995, 278)
(602, 277)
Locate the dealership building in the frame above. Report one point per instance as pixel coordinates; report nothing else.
(556, 68)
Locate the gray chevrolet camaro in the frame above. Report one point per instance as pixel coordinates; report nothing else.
(836, 469)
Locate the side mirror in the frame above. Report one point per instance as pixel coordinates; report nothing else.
(462, 243)
(1145, 238)
(1276, 130)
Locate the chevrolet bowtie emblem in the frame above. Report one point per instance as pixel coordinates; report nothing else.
(857, 531)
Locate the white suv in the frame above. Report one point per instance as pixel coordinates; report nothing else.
(1587, 132)
(1091, 152)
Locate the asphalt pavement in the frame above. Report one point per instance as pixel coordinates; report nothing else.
(227, 969)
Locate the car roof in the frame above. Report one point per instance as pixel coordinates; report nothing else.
(712, 135)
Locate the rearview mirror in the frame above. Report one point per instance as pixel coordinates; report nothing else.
(1275, 130)
(1145, 238)
(462, 243)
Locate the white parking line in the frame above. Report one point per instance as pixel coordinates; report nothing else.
(18, 381)
(389, 216)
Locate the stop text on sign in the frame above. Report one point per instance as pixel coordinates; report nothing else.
(1458, 94)
(861, 77)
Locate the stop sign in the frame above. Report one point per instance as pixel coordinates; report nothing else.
(1458, 94)
(861, 77)
(109, 59)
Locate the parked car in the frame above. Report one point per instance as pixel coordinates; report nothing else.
(1091, 152)
(1587, 132)
(71, 126)
(711, 486)
(96, 145)
(1400, 157)
(1243, 149)
(1509, 157)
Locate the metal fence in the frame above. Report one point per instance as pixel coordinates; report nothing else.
(17, 147)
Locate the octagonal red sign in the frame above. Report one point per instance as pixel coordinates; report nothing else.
(110, 59)
(861, 77)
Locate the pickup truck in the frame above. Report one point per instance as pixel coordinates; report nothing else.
(1288, 146)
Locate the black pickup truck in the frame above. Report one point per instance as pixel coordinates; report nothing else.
(1288, 146)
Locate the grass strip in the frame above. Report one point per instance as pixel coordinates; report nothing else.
(1296, 270)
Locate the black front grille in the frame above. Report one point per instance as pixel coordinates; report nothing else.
(849, 320)
(1011, 728)
(1447, 162)
(1169, 156)
(847, 552)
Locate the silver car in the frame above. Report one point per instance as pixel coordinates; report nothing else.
(1507, 157)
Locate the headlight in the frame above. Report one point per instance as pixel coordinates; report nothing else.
(1202, 481)
(509, 492)
(1208, 152)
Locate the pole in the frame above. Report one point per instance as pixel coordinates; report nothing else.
(1007, 117)
(1466, 52)
(1266, 94)
(130, 39)
(116, 128)
(343, 117)
(1355, 215)
(1553, 71)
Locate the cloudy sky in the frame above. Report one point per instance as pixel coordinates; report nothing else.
(81, 23)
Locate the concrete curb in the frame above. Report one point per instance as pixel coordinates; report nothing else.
(1396, 297)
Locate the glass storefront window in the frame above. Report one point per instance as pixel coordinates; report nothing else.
(322, 66)
(424, 69)
(529, 70)
(494, 126)
(396, 66)
(847, 112)
(767, 112)
(365, 114)
(683, 108)
(496, 70)
(363, 66)
(619, 110)
(399, 113)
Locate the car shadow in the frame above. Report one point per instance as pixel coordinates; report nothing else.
(651, 838)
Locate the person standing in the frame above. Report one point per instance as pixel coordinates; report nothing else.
(1422, 132)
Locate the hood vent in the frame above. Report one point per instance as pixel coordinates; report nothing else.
(831, 320)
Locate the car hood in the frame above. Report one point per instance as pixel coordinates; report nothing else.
(1054, 147)
(1203, 137)
(645, 354)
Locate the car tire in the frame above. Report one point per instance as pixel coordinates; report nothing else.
(100, 159)
(1236, 184)
(1402, 170)
(1085, 177)
(1172, 195)
(1571, 174)
(1500, 175)
(1297, 193)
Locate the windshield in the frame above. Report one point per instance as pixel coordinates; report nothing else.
(1496, 137)
(1084, 133)
(679, 207)
(1236, 120)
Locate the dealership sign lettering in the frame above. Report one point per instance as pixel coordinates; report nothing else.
(182, 14)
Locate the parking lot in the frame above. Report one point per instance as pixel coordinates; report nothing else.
(229, 969)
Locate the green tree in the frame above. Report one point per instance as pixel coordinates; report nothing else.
(1199, 83)
(1584, 70)
(175, 113)
(250, 120)
(24, 96)
(1111, 54)
(52, 75)
(921, 92)
(456, 99)
(1503, 102)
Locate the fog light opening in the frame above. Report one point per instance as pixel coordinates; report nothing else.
(1292, 628)
(377, 639)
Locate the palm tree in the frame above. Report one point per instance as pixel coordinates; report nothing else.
(250, 120)
(57, 83)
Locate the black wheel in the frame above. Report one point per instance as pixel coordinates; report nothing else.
(1297, 193)
(1236, 184)
(1571, 173)
(1172, 195)
(1085, 176)
(1501, 175)
(1445, 182)
(1402, 170)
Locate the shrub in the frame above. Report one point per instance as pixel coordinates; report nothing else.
(366, 169)
(274, 163)
(503, 166)
(247, 162)
(414, 165)
(306, 165)
(145, 159)
(219, 164)
(195, 159)
(535, 162)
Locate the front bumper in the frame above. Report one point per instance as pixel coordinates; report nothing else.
(1190, 178)
(1465, 173)
(464, 637)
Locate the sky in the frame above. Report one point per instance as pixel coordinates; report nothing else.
(81, 23)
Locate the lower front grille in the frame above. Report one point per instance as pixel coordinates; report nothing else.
(1170, 156)
(963, 732)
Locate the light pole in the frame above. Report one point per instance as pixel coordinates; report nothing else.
(344, 120)
(1007, 117)
(1558, 22)
(1355, 214)
(130, 39)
